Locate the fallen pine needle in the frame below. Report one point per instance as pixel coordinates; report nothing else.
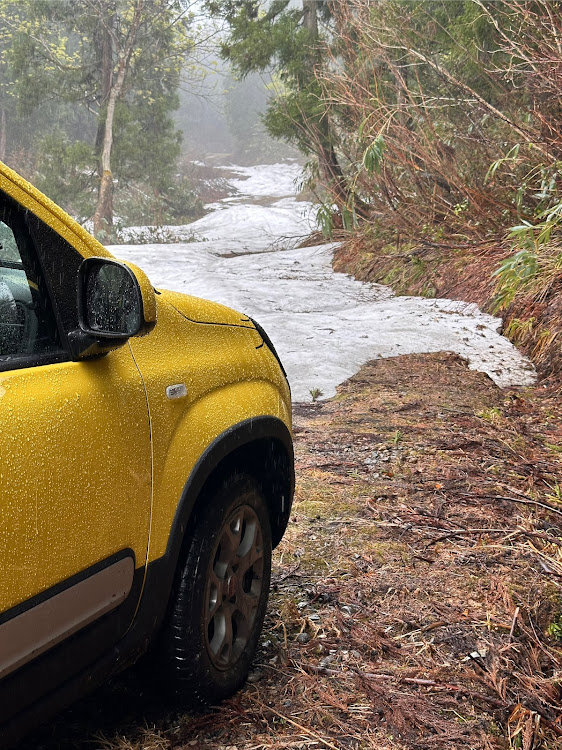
(520, 500)
(309, 732)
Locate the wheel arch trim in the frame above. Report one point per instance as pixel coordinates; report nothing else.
(160, 571)
(235, 437)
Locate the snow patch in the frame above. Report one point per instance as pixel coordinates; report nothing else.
(325, 325)
(273, 180)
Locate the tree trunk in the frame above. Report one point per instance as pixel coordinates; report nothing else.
(333, 174)
(103, 217)
(321, 130)
(310, 17)
(2, 134)
(337, 184)
(104, 43)
(325, 151)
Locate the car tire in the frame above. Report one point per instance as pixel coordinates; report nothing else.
(220, 596)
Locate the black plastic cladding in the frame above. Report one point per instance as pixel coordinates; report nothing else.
(268, 343)
(61, 265)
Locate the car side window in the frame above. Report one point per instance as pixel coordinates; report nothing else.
(28, 326)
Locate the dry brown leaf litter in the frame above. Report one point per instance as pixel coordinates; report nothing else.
(413, 591)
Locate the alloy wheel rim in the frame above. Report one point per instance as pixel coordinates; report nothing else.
(233, 587)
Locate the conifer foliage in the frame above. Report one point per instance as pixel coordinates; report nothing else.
(420, 113)
(120, 62)
(288, 39)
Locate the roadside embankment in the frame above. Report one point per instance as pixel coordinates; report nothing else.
(532, 296)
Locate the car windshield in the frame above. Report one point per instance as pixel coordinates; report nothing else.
(9, 253)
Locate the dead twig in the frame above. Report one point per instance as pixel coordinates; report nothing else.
(526, 501)
(515, 616)
(306, 730)
(510, 532)
(288, 574)
(422, 682)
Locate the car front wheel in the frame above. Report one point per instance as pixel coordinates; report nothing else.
(220, 596)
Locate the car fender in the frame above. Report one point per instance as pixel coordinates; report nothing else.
(229, 416)
(172, 523)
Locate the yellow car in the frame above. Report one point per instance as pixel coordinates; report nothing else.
(146, 469)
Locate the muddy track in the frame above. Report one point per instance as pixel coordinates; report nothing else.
(417, 592)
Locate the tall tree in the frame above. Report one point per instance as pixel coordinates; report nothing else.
(105, 55)
(285, 38)
(7, 99)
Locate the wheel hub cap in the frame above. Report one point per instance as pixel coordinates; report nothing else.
(233, 587)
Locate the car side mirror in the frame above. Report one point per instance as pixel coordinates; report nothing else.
(115, 301)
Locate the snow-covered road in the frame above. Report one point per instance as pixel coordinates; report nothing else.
(325, 325)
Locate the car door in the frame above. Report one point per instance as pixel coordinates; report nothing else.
(75, 471)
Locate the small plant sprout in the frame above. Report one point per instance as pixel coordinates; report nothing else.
(555, 493)
(325, 219)
(316, 393)
(555, 628)
(492, 414)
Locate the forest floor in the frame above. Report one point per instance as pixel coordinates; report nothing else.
(416, 598)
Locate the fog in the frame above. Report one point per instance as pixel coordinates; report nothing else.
(220, 119)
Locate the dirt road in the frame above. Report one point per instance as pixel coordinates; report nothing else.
(416, 599)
